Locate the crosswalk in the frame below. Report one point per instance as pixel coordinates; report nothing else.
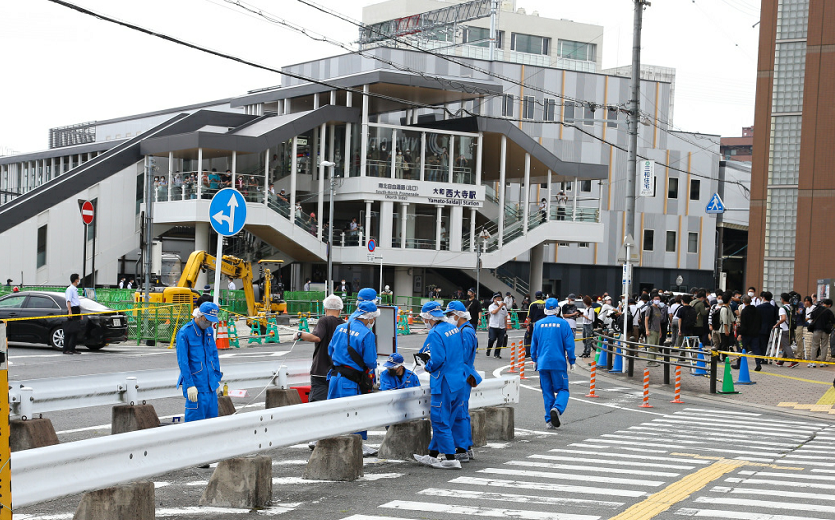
(696, 462)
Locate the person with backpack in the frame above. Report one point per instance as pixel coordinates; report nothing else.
(713, 320)
(821, 327)
(784, 325)
(653, 315)
(702, 311)
(588, 317)
(686, 319)
(672, 312)
(768, 317)
(749, 326)
(639, 316)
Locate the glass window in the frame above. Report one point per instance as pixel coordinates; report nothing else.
(569, 112)
(407, 162)
(692, 242)
(612, 117)
(672, 189)
(507, 105)
(585, 186)
(780, 211)
(41, 302)
(140, 190)
(695, 187)
(563, 244)
(588, 115)
(41, 246)
(576, 50)
(529, 43)
(12, 301)
(379, 152)
(671, 241)
(550, 109)
(437, 157)
(789, 74)
(480, 37)
(463, 169)
(649, 240)
(528, 107)
(784, 152)
(584, 245)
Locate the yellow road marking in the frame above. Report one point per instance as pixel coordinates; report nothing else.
(676, 492)
(828, 397)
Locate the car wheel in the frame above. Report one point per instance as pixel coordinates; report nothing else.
(56, 338)
(96, 347)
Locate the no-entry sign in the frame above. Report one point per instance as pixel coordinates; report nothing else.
(87, 212)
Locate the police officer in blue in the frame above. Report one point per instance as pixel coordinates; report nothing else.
(396, 375)
(443, 355)
(199, 363)
(364, 295)
(353, 350)
(552, 351)
(461, 430)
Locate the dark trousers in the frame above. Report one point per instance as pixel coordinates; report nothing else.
(494, 335)
(318, 389)
(751, 344)
(71, 330)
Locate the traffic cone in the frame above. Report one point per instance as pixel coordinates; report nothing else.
(728, 379)
(617, 365)
(602, 359)
(222, 336)
(700, 365)
(744, 375)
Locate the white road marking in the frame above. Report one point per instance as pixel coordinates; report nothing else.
(575, 467)
(771, 493)
(788, 476)
(785, 483)
(608, 462)
(789, 506)
(690, 433)
(571, 476)
(543, 486)
(738, 515)
(522, 499)
(450, 509)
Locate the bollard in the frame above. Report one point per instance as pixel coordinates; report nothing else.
(666, 351)
(26, 399)
(512, 357)
(677, 394)
(281, 377)
(131, 391)
(646, 390)
(592, 380)
(714, 368)
(522, 369)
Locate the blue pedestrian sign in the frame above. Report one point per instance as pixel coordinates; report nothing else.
(372, 245)
(227, 212)
(715, 206)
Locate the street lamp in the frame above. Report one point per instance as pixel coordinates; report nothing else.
(330, 164)
(485, 235)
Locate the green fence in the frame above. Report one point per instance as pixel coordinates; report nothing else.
(153, 321)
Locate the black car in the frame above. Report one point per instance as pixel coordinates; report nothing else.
(97, 330)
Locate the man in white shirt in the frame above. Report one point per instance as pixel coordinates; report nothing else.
(232, 285)
(73, 307)
(562, 200)
(497, 323)
(508, 301)
(755, 300)
(122, 283)
(784, 316)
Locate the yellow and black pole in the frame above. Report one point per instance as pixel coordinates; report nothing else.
(5, 450)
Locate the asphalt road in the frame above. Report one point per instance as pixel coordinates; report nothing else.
(610, 458)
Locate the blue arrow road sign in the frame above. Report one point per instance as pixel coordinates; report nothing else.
(227, 212)
(715, 205)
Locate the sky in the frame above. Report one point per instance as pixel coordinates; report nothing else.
(62, 67)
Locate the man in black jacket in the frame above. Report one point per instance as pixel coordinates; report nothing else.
(768, 317)
(473, 307)
(750, 323)
(820, 327)
(535, 313)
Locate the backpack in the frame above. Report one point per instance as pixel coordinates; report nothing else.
(687, 316)
(715, 316)
(642, 322)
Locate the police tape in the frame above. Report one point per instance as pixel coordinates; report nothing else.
(123, 311)
(781, 359)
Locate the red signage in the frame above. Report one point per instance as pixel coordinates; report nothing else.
(87, 212)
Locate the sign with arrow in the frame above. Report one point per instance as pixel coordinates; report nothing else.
(227, 212)
(715, 206)
(633, 251)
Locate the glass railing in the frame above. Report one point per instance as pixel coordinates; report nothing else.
(575, 214)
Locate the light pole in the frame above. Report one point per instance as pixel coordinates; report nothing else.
(330, 164)
(485, 235)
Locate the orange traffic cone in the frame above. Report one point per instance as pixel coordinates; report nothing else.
(222, 336)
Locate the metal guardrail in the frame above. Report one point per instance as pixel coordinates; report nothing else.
(34, 396)
(51, 472)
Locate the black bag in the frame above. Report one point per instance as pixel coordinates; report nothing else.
(716, 317)
(366, 378)
(687, 316)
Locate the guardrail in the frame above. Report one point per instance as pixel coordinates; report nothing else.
(34, 396)
(51, 472)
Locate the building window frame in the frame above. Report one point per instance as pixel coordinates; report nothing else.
(672, 188)
(648, 242)
(671, 238)
(507, 105)
(544, 43)
(41, 246)
(693, 242)
(695, 189)
(528, 107)
(550, 110)
(569, 114)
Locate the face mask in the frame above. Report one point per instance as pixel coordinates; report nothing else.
(719, 301)
(656, 302)
(203, 323)
(392, 371)
(370, 325)
(751, 294)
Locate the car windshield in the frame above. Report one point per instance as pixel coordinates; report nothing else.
(92, 306)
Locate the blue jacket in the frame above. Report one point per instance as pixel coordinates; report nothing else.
(552, 341)
(362, 340)
(470, 348)
(197, 359)
(388, 382)
(446, 363)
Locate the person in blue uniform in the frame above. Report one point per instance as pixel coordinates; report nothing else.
(353, 368)
(552, 351)
(396, 376)
(462, 432)
(364, 295)
(443, 355)
(199, 364)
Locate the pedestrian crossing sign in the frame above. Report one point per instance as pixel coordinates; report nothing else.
(715, 206)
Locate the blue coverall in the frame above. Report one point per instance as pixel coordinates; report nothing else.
(461, 430)
(388, 382)
(448, 373)
(552, 342)
(363, 341)
(199, 367)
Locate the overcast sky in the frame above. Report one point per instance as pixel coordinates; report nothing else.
(62, 67)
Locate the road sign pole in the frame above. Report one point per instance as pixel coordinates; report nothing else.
(381, 275)
(5, 449)
(84, 259)
(218, 263)
(227, 216)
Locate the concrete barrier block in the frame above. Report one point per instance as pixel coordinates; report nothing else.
(133, 501)
(336, 458)
(225, 406)
(129, 418)
(499, 423)
(477, 421)
(277, 397)
(32, 433)
(245, 483)
(402, 440)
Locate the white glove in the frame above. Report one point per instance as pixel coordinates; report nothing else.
(571, 367)
(192, 393)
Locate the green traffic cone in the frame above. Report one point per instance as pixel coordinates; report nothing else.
(728, 380)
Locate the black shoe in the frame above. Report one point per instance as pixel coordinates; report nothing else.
(735, 367)
(758, 368)
(488, 353)
(76, 352)
(67, 352)
(555, 417)
(498, 357)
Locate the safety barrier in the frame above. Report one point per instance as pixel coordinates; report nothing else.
(51, 472)
(34, 396)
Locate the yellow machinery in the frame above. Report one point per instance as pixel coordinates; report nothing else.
(232, 267)
(271, 304)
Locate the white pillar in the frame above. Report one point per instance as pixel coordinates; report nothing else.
(456, 227)
(574, 209)
(439, 213)
(287, 105)
(332, 99)
(320, 200)
(368, 220)
(479, 158)
(52, 173)
(200, 175)
(537, 256)
(293, 170)
(548, 198)
(349, 101)
(393, 173)
(527, 209)
(502, 172)
(201, 243)
(451, 156)
(266, 176)
(385, 220)
(404, 217)
(472, 230)
(364, 132)
(234, 168)
(61, 165)
(422, 155)
(316, 101)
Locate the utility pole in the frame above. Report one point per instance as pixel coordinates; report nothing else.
(330, 165)
(494, 13)
(149, 204)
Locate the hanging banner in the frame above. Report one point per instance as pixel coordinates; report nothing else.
(647, 172)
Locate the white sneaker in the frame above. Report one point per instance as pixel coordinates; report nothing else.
(470, 454)
(446, 464)
(549, 426)
(426, 460)
(462, 457)
(811, 365)
(368, 451)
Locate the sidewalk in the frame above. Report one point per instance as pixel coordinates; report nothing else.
(803, 389)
